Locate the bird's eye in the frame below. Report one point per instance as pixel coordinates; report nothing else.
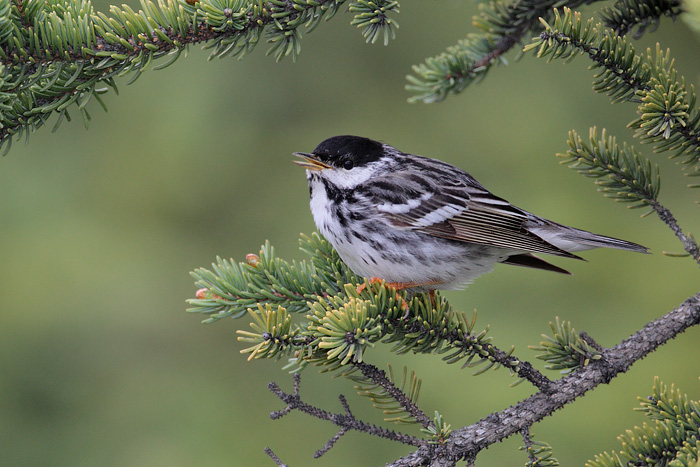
(347, 165)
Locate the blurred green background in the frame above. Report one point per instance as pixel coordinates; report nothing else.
(100, 364)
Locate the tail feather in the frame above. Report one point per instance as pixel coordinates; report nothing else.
(571, 239)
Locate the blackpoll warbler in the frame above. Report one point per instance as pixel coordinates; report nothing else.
(422, 223)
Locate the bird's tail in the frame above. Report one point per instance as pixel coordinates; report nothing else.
(571, 239)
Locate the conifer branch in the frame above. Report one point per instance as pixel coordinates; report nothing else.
(503, 26)
(668, 116)
(344, 324)
(525, 433)
(566, 350)
(344, 320)
(418, 457)
(622, 173)
(539, 454)
(467, 442)
(55, 55)
(229, 289)
(523, 369)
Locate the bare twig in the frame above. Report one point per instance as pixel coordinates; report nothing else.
(274, 457)
(689, 245)
(346, 421)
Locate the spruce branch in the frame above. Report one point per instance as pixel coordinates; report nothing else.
(668, 116)
(229, 288)
(438, 430)
(622, 173)
(566, 350)
(503, 26)
(274, 334)
(690, 245)
(342, 322)
(54, 56)
(373, 17)
(622, 72)
(466, 443)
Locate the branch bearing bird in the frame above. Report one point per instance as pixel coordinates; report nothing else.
(423, 224)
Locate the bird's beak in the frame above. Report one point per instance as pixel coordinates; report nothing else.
(310, 162)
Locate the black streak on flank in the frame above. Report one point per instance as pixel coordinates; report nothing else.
(338, 214)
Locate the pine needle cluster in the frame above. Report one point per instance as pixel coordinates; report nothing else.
(565, 349)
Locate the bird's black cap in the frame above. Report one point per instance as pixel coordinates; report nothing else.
(360, 150)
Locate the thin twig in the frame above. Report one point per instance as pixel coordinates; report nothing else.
(689, 245)
(379, 377)
(345, 421)
(525, 432)
(274, 457)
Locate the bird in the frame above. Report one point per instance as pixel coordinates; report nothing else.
(422, 224)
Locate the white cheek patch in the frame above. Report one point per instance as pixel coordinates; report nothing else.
(348, 179)
(391, 208)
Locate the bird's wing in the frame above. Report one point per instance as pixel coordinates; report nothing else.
(459, 208)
